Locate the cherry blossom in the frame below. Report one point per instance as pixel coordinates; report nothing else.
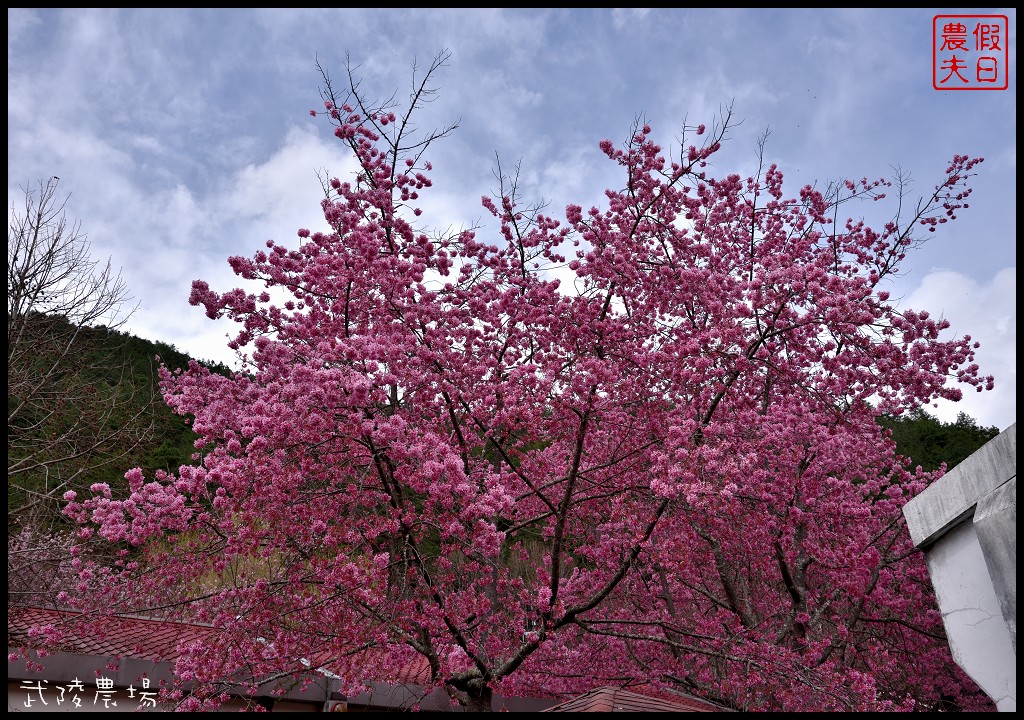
(666, 470)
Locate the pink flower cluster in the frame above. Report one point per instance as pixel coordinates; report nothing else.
(668, 468)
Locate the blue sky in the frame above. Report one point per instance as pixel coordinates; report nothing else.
(184, 135)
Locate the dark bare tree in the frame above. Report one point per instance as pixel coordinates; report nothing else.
(72, 412)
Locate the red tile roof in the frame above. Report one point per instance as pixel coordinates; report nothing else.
(128, 636)
(612, 699)
(124, 636)
(159, 640)
(414, 672)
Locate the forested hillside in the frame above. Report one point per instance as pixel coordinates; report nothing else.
(929, 442)
(88, 420)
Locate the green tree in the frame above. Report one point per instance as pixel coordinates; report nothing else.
(929, 442)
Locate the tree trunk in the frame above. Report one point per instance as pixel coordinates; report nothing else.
(478, 699)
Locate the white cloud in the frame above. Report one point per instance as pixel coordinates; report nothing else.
(271, 199)
(19, 22)
(988, 313)
(275, 197)
(171, 127)
(625, 17)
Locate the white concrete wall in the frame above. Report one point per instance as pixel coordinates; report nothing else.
(970, 610)
(966, 524)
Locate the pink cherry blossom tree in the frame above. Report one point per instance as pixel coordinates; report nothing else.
(663, 470)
